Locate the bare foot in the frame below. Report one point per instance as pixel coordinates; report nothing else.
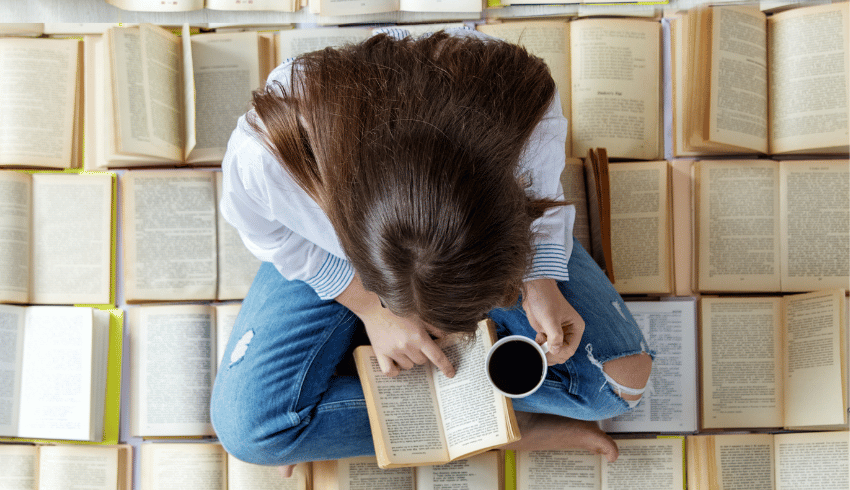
(544, 431)
(286, 471)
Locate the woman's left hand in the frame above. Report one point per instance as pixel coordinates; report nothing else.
(553, 318)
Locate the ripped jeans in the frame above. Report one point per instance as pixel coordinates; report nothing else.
(278, 398)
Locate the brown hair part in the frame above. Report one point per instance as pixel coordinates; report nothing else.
(411, 147)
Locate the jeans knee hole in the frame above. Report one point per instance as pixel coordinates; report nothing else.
(241, 347)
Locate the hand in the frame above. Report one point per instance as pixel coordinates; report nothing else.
(553, 318)
(399, 343)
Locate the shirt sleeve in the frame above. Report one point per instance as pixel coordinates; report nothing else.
(541, 163)
(245, 205)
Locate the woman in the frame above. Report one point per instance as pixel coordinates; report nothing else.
(411, 188)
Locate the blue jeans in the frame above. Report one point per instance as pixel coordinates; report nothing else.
(278, 398)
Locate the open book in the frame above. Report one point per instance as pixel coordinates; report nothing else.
(744, 82)
(770, 362)
(169, 100)
(40, 102)
(643, 463)
(63, 467)
(175, 351)
(201, 466)
(670, 402)
(54, 370)
(806, 460)
(484, 471)
(177, 246)
(765, 226)
(187, 5)
(608, 74)
(56, 238)
(422, 417)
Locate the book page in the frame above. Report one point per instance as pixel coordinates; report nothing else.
(403, 412)
(640, 227)
(15, 238)
(473, 414)
(738, 79)
(56, 384)
(739, 458)
(648, 463)
(226, 69)
(146, 79)
(480, 471)
(809, 52)
(616, 85)
(812, 461)
(78, 467)
(72, 238)
(364, 474)
(299, 41)
(173, 370)
(556, 470)
(158, 5)
(167, 466)
(813, 359)
(815, 224)
(11, 360)
(37, 101)
(550, 41)
(670, 401)
(237, 266)
(738, 226)
(225, 318)
(741, 368)
(169, 235)
(246, 476)
(572, 180)
(20, 466)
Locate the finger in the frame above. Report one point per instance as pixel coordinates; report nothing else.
(403, 362)
(286, 471)
(433, 352)
(387, 365)
(417, 357)
(554, 336)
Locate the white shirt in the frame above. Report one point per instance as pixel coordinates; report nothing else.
(280, 223)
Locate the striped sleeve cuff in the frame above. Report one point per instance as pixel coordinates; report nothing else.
(332, 278)
(550, 261)
(393, 32)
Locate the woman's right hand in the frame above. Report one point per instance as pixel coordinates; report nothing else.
(399, 342)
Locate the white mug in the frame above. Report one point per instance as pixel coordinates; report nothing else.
(519, 366)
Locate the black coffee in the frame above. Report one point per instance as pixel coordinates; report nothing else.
(516, 367)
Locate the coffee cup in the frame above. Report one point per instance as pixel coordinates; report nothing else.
(516, 366)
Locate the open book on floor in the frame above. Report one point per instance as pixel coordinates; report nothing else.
(188, 5)
(177, 246)
(643, 463)
(56, 238)
(61, 373)
(158, 99)
(805, 460)
(670, 402)
(768, 226)
(773, 362)
(746, 82)
(28, 467)
(422, 417)
(175, 351)
(608, 75)
(484, 471)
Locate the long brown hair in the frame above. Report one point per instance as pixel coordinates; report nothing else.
(411, 147)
